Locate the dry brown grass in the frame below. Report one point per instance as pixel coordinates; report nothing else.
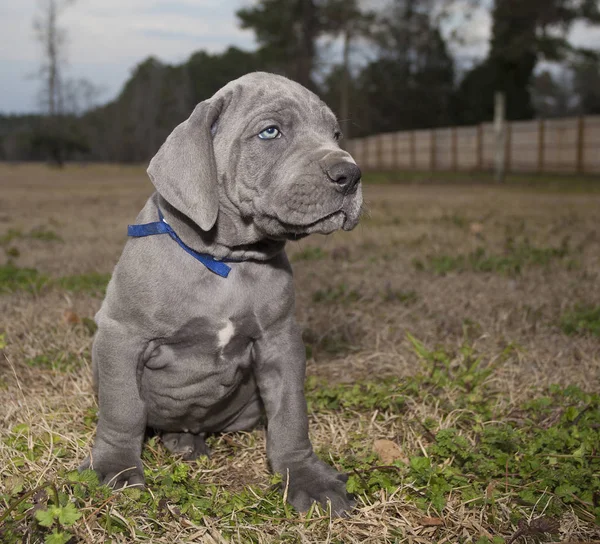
(357, 298)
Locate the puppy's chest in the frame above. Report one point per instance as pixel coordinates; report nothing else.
(208, 334)
(205, 362)
(203, 341)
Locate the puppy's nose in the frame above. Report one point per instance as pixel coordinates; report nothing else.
(345, 174)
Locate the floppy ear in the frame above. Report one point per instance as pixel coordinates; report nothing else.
(184, 170)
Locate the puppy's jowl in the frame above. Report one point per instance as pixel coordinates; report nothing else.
(197, 333)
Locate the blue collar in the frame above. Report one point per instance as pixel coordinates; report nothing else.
(162, 227)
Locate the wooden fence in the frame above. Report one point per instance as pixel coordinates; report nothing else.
(569, 145)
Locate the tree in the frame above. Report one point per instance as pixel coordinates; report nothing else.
(61, 98)
(79, 95)
(522, 34)
(155, 99)
(286, 31)
(410, 83)
(345, 18)
(586, 85)
(208, 73)
(553, 95)
(52, 38)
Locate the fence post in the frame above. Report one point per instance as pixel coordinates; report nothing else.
(454, 149)
(379, 144)
(541, 144)
(580, 144)
(413, 149)
(509, 131)
(499, 127)
(433, 146)
(480, 147)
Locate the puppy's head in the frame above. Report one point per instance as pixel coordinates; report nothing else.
(269, 147)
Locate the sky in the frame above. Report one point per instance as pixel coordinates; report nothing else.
(108, 38)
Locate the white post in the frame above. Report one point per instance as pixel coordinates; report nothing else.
(500, 130)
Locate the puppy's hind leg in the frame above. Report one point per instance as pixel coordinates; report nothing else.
(189, 445)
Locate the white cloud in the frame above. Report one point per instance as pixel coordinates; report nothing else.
(167, 31)
(584, 35)
(473, 31)
(106, 38)
(476, 31)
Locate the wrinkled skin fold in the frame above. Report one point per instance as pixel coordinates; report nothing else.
(186, 352)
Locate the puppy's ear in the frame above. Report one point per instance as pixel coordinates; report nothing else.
(184, 170)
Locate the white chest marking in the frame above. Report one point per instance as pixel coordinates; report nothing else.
(225, 334)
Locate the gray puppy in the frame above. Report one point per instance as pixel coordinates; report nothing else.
(197, 332)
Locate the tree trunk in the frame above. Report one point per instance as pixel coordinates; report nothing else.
(307, 43)
(345, 84)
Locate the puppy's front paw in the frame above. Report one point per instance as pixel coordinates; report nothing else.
(318, 482)
(116, 470)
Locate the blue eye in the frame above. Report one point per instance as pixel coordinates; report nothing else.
(270, 133)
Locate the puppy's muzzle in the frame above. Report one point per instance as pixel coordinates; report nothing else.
(345, 175)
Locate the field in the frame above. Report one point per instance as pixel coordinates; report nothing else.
(453, 344)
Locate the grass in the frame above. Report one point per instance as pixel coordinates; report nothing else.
(582, 320)
(39, 233)
(310, 253)
(479, 450)
(93, 283)
(542, 182)
(58, 361)
(336, 294)
(461, 395)
(407, 297)
(515, 258)
(14, 278)
(335, 341)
